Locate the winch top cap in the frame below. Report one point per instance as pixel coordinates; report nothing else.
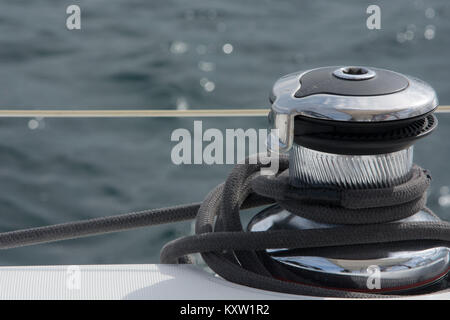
(351, 81)
(349, 93)
(363, 98)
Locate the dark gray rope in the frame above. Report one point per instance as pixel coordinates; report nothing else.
(341, 206)
(103, 225)
(233, 253)
(91, 227)
(219, 231)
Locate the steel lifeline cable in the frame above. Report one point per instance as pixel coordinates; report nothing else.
(375, 198)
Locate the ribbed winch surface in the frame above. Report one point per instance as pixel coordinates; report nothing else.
(349, 171)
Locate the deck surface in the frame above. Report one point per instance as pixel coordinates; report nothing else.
(147, 281)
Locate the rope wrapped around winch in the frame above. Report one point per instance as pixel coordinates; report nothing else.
(367, 216)
(233, 253)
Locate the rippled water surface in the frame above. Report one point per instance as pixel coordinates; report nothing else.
(174, 54)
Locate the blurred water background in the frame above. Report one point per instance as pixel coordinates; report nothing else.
(174, 54)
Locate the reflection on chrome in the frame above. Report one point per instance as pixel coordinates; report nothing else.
(348, 267)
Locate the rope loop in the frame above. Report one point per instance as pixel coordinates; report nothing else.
(238, 255)
(366, 216)
(333, 205)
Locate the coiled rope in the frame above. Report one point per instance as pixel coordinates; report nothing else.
(367, 216)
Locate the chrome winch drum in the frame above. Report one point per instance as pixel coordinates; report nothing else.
(352, 128)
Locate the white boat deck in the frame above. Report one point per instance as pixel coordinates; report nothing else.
(143, 281)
